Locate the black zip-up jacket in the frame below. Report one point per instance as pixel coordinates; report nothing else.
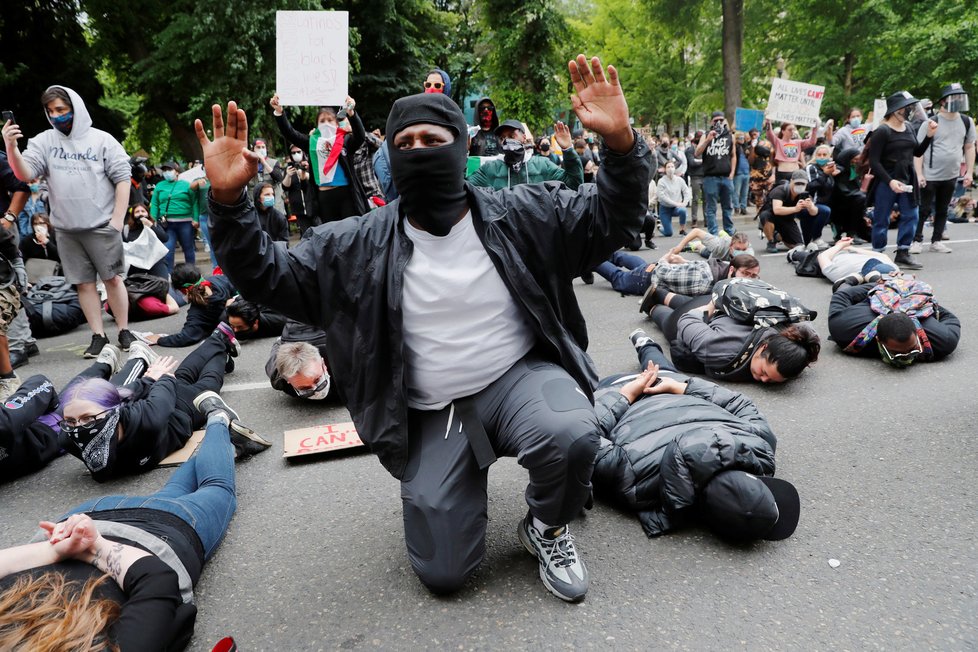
(657, 454)
(850, 313)
(347, 278)
(202, 320)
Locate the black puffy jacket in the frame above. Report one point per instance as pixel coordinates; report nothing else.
(347, 276)
(658, 453)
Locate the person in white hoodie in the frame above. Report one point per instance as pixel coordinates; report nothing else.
(674, 197)
(88, 175)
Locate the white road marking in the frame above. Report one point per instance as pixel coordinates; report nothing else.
(244, 387)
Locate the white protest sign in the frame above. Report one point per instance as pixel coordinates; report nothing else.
(311, 57)
(794, 102)
(879, 110)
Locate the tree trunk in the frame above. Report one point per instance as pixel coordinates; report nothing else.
(733, 45)
(849, 61)
(183, 134)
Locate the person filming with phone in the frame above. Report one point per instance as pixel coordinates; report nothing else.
(792, 200)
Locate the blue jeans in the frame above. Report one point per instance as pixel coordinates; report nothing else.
(200, 492)
(812, 225)
(741, 184)
(626, 273)
(877, 265)
(906, 226)
(206, 233)
(718, 188)
(185, 232)
(665, 218)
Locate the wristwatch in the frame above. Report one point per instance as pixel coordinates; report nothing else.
(10, 217)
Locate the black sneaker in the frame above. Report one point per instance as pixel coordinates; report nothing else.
(234, 346)
(561, 568)
(125, 339)
(18, 359)
(851, 279)
(32, 349)
(588, 278)
(246, 441)
(648, 300)
(98, 342)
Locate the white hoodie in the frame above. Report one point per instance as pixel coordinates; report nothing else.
(82, 170)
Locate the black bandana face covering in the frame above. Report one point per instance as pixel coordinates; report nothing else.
(430, 180)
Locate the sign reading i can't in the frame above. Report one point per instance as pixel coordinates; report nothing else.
(794, 102)
(312, 57)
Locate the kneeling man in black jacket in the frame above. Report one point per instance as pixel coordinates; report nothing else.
(681, 450)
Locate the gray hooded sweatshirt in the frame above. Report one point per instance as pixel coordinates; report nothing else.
(82, 170)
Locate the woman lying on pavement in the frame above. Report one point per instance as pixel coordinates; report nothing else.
(147, 411)
(680, 450)
(674, 275)
(118, 572)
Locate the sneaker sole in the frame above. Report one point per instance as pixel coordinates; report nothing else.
(248, 433)
(524, 539)
(203, 396)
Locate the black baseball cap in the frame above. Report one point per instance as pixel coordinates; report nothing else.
(717, 114)
(741, 506)
(510, 124)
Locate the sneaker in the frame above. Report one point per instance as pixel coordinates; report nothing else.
(851, 279)
(796, 254)
(872, 277)
(939, 248)
(648, 300)
(110, 355)
(234, 346)
(126, 339)
(916, 247)
(8, 386)
(96, 346)
(588, 278)
(811, 246)
(142, 351)
(18, 359)
(246, 441)
(682, 231)
(561, 568)
(32, 349)
(640, 338)
(820, 244)
(905, 260)
(771, 248)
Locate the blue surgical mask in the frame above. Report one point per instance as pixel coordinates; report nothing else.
(35, 187)
(268, 202)
(739, 252)
(821, 162)
(855, 122)
(170, 175)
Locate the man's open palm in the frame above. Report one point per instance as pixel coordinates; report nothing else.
(227, 159)
(599, 102)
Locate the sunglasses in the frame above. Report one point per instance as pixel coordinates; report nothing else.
(901, 359)
(436, 85)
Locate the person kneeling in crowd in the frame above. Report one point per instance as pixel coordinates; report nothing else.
(119, 571)
(127, 425)
(519, 166)
(251, 321)
(784, 204)
(665, 454)
(898, 313)
(675, 278)
(208, 298)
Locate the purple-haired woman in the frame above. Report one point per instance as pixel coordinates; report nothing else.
(146, 412)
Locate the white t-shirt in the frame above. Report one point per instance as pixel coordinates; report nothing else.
(848, 262)
(462, 328)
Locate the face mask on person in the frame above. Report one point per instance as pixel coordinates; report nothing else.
(63, 122)
(855, 122)
(670, 171)
(956, 104)
(328, 131)
(320, 391)
(40, 230)
(822, 162)
(35, 187)
(268, 202)
(261, 151)
(544, 147)
(170, 175)
(513, 152)
(674, 147)
(94, 438)
(485, 118)
(740, 252)
(297, 157)
(430, 180)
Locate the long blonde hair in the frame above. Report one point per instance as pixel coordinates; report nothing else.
(48, 613)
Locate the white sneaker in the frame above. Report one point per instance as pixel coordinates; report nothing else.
(141, 350)
(110, 355)
(939, 248)
(812, 246)
(561, 568)
(821, 244)
(916, 247)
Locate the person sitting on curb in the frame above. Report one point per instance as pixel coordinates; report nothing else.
(720, 246)
(518, 164)
(665, 453)
(675, 276)
(900, 315)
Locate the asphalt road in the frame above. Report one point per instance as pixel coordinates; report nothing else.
(884, 461)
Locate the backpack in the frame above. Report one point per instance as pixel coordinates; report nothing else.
(910, 296)
(52, 307)
(753, 301)
(808, 266)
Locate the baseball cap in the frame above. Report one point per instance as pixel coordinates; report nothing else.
(717, 114)
(799, 178)
(740, 506)
(510, 124)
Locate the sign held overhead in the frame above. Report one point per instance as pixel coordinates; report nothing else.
(312, 57)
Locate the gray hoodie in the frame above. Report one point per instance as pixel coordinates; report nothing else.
(82, 170)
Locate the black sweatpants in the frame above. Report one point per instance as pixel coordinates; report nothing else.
(935, 198)
(335, 204)
(667, 317)
(535, 412)
(26, 444)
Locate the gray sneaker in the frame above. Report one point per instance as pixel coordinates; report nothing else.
(246, 441)
(142, 351)
(939, 248)
(110, 355)
(561, 567)
(916, 247)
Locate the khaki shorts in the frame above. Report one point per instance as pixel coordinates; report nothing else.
(9, 305)
(87, 256)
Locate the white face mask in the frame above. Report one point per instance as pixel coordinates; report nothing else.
(40, 230)
(328, 131)
(170, 175)
(262, 152)
(320, 391)
(670, 171)
(297, 157)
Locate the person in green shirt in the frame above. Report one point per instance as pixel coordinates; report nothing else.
(518, 165)
(175, 206)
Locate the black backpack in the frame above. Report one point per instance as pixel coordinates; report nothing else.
(52, 307)
(753, 301)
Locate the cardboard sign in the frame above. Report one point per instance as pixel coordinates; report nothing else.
(321, 439)
(747, 119)
(312, 57)
(879, 110)
(794, 102)
(176, 458)
(192, 174)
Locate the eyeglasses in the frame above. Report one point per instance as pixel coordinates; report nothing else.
(71, 424)
(321, 384)
(436, 85)
(901, 358)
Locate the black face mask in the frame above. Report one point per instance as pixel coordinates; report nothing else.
(431, 180)
(513, 153)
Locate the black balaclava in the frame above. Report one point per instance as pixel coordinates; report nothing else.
(430, 180)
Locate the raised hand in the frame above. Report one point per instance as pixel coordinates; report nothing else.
(562, 135)
(275, 104)
(11, 134)
(599, 102)
(229, 162)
